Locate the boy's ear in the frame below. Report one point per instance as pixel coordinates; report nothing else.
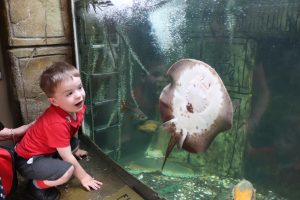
(52, 101)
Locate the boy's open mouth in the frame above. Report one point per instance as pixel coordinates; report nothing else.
(79, 104)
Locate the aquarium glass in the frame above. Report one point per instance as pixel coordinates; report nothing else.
(125, 48)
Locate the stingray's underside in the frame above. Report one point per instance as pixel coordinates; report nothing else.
(195, 106)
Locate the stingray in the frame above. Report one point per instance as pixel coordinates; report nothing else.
(195, 107)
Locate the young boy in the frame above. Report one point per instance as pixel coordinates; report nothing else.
(46, 152)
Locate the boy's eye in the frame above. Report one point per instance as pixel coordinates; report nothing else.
(69, 93)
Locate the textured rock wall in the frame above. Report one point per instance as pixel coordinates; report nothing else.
(39, 33)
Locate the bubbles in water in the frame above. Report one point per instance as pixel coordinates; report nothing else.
(166, 23)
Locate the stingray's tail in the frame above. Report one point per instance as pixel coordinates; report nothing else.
(173, 140)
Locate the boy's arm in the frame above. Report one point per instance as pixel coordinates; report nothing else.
(79, 153)
(86, 180)
(76, 134)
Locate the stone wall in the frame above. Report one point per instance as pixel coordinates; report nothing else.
(38, 33)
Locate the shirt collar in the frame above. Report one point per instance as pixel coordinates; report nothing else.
(65, 115)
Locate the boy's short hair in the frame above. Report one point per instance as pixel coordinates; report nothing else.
(55, 74)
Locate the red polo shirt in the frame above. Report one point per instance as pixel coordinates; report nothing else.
(53, 129)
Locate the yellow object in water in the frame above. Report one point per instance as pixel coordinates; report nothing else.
(149, 126)
(244, 190)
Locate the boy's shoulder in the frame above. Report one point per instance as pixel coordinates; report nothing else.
(54, 114)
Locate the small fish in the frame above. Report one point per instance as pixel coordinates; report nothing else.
(134, 112)
(244, 190)
(149, 126)
(293, 166)
(263, 151)
(99, 4)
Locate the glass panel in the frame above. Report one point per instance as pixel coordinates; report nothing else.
(125, 49)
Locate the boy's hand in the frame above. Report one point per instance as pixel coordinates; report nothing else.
(80, 153)
(85, 179)
(90, 183)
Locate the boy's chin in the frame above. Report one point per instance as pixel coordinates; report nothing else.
(75, 110)
(78, 108)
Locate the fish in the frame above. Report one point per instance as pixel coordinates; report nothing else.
(244, 190)
(135, 113)
(194, 107)
(291, 166)
(100, 4)
(149, 126)
(261, 151)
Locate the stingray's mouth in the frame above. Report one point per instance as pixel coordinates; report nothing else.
(189, 108)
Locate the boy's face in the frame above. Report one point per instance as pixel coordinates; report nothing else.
(69, 95)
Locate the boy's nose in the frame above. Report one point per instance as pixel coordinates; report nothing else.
(78, 94)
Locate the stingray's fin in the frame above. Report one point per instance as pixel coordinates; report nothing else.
(181, 139)
(168, 126)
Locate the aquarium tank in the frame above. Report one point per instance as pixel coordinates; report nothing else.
(124, 50)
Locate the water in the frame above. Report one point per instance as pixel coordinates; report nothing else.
(125, 50)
